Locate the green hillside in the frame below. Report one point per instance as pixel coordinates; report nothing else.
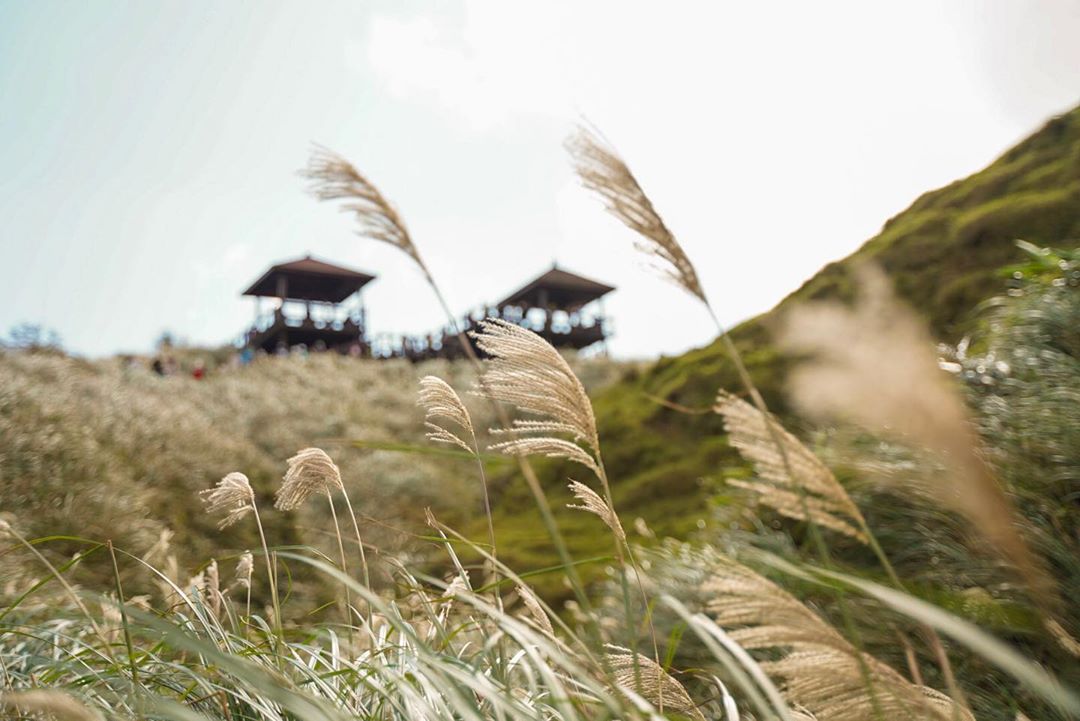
(944, 254)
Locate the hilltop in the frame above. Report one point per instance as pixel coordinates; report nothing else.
(944, 254)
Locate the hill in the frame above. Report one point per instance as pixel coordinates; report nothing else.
(105, 450)
(109, 450)
(944, 254)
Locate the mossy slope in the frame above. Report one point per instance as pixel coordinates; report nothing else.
(943, 253)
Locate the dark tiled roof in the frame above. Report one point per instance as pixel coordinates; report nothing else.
(563, 288)
(311, 279)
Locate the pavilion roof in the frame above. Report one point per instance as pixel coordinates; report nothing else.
(310, 279)
(562, 288)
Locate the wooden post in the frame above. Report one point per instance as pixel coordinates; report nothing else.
(543, 298)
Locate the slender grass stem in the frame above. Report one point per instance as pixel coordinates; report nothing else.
(132, 664)
(270, 576)
(359, 541)
(344, 563)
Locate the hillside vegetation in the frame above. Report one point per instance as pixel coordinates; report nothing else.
(944, 254)
(101, 449)
(919, 563)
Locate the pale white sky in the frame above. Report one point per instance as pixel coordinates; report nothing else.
(148, 151)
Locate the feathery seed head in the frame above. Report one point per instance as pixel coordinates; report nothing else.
(244, 568)
(441, 402)
(527, 372)
(536, 611)
(602, 171)
(310, 471)
(332, 177)
(232, 496)
(456, 589)
(458, 586)
(656, 685)
(213, 587)
(818, 669)
(882, 338)
(813, 488)
(593, 503)
(45, 704)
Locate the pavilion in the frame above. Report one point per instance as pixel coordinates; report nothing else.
(317, 304)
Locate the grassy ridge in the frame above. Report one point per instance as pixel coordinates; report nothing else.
(944, 255)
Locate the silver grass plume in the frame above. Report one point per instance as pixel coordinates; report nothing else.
(332, 177)
(592, 502)
(459, 587)
(244, 568)
(310, 471)
(441, 403)
(602, 171)
(527, 372)
(537, 615)
(656, 685)
(232, 496)
(213, 586)
(810, 487)
(850, 350)
(818, 668)
(1069, 644)
(44, 704)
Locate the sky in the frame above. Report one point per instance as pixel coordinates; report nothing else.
(149, 151)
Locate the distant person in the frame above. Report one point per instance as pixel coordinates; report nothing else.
(158, 367)
(246, 356)
(199, 372)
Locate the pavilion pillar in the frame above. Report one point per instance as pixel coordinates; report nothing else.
(543, 302)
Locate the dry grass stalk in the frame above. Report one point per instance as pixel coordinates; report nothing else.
(656, 685)
(602, 171)
(527, 372)
(875, 365)
(593, 503)
(310, 471)
(232, 496)
(811, 488)
(819, 668)
(332, 177)
(47, 705)
(1065, 640)
(441, 403)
